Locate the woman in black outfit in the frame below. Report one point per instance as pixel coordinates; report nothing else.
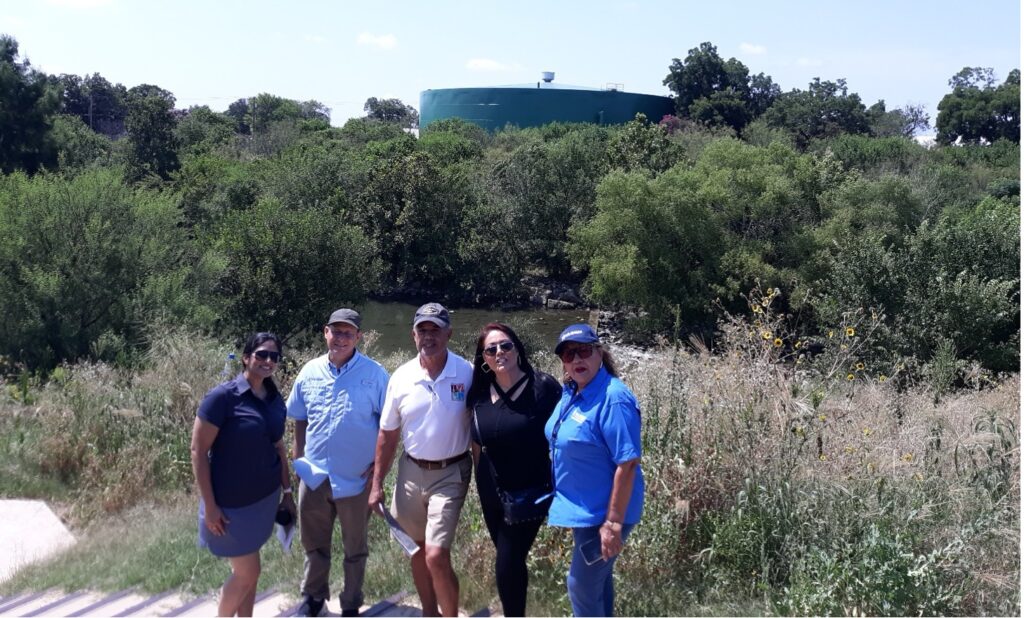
(510, 403)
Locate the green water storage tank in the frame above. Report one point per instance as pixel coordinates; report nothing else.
(531, 105)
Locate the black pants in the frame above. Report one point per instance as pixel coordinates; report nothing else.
(511, 544)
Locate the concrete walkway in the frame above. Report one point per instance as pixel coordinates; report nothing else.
(30, 532)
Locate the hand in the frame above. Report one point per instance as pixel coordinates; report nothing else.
(215, 520)
(288, 503)
(376, 499)
(611, 540)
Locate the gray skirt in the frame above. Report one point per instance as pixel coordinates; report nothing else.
(249, 528)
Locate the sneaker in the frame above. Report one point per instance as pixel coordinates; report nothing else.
(310, 607)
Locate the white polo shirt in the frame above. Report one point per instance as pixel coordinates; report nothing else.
(431, 413)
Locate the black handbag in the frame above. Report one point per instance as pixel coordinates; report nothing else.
(519, 505)
(524, 505)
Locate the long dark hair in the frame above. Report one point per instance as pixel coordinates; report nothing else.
(480, 390)
(258, 339)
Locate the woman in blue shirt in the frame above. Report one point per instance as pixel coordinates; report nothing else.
(594, 434)
(240, 465)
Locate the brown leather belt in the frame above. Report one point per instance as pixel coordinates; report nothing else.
(437, 465)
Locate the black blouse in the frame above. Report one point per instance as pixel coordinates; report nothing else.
(512, 434)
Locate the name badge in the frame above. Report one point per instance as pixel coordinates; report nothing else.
(458, 392)
(578, 417)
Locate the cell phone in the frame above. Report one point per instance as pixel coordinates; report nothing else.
(591, 551)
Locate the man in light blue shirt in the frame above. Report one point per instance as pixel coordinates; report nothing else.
(336, 402)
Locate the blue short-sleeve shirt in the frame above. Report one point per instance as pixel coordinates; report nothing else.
(244, 464)
(597, 430)
(342, 408)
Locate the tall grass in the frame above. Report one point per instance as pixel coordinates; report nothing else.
(784, 475)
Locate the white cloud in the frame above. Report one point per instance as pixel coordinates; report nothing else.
(752, 48)
(11, 20)
(486, 64)
(380, 41)
(809, 62)
(314, 38)
(80, 4)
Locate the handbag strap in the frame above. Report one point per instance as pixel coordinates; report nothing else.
(490, 464)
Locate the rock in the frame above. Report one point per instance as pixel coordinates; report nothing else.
(559, 304)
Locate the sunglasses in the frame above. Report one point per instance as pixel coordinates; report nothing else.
(584, 352)
(267, 355)
(504, 346)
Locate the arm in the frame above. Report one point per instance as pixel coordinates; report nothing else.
(299, 448)
(622, 489)
(286, 478)
(203, 435)
(387, 443)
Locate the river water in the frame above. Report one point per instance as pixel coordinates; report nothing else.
(392, 321)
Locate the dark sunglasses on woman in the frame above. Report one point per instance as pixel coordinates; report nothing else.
(505, 346)
(583, 351)
(267, 354)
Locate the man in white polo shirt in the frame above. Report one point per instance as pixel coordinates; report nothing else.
(426, 402)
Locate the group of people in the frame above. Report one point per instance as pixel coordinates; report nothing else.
(566, 451)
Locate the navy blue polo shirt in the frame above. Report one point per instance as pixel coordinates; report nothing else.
(244, 465)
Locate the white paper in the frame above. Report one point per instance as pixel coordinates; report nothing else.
(284, 534)
(310, 473)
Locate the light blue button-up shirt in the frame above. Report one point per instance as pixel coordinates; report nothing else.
(342, 408)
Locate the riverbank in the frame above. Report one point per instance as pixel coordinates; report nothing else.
(765, 479)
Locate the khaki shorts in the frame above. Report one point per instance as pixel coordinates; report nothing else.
(428, 502)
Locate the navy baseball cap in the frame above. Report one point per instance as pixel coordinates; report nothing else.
(579, 333)
(432, 312)
(345, 316)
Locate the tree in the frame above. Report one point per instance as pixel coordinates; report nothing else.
(100, 104)
(652, 244)
(979, 111)
(150, 123)
(26, 112)
(824, 110)
(89, 257)
(201, 129)
(392, 111)
(718, 92)
(901, 122)
(641, 146)
(286, 268)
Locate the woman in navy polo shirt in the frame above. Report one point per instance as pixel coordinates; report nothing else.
(240, 465)
(594, 434)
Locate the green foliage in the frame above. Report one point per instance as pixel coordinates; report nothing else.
(285, 268)
(641, 146)
(718, 92)
(979, 111)
(76, 145)
(100, 105)
(81, 257)
(826, 109)
(652, 243)
(26, 106)
(955, 280)
(203, 129)
(150, 125)
(392, 111)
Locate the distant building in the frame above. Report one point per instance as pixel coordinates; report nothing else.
(532, 105)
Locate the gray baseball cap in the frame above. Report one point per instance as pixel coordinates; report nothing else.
(432, 312)
(347, 316)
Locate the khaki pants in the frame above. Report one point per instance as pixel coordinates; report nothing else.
(317, 510)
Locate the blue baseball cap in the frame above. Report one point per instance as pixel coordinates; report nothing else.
(579, 333)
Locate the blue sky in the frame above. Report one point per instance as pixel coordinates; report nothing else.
(340, 53)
